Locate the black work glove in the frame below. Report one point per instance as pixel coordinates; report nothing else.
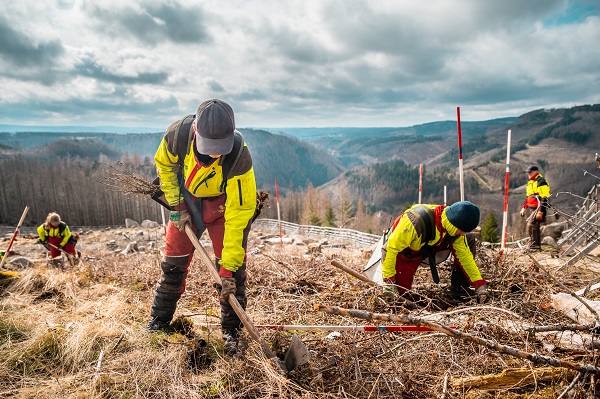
(482, 293)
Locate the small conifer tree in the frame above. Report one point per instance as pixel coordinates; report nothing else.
(329, 217)
(489, 230)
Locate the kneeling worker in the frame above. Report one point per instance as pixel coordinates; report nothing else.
(422, 231)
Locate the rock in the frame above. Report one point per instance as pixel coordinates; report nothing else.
(131, 247)
(20, 261)
(553, 230)
(549, 241)
(149, 224)
(129, 223)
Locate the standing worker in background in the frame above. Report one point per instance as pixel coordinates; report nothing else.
(535, 206)
(56, 233)
(225, 201)
(422, 231)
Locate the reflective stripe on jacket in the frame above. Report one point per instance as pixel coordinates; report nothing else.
(62, 230)
(406, 235)
(205, 181)
(537, 186)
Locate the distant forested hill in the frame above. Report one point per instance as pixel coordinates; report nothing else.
(292, 162)
(286, 159)
(63, 171)
(413, 145)
(142, 144)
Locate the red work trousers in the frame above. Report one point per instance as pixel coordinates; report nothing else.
(55, 252)
(178, 243)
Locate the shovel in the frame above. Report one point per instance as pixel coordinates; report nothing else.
(297, 354)
(70, 257)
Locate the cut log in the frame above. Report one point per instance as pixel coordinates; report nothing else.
(512, 378)
(574, 309)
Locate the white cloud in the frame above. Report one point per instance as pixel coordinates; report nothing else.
(295, 63)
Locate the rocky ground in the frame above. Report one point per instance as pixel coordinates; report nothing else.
(77, 331)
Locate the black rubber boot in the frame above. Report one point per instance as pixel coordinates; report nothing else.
(168, 291)
(231, 325)
(155, 325)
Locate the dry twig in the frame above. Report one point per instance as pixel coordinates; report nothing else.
(124, 181)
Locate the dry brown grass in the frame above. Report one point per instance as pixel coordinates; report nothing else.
(79, 333)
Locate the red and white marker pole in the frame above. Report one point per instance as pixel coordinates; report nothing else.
(287, 327)
(460, 156)
(12, 240)
(505, 214)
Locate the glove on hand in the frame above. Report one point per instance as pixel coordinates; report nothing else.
(228, 285)
(482, 293)
(522, 212)
(390, 289)
(180, 218)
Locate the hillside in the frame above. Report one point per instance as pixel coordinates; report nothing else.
(302, 161)
(561, 142)
(289, 161)
(365, 146)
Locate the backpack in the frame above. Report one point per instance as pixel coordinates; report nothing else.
(179, 137)
(426, 220)
(423, 218)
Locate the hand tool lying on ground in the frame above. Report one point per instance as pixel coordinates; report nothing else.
(297, 354)
(354, 273)
(301, 327)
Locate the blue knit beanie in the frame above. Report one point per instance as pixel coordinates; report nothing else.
(463, 215)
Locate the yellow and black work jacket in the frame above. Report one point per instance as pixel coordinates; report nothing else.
(407, 236)
(62, 230)
(538, 191)
(206, 181)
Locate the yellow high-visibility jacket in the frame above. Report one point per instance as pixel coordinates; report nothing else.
(537, 186)
(205, 181)
(62, 230)
(406, 235)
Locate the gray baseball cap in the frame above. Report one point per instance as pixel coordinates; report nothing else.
(215, 124)
(531, 168)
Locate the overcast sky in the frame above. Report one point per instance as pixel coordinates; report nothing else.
(288, 63)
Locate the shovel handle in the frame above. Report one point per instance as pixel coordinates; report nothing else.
(252, 330)
(356, 274)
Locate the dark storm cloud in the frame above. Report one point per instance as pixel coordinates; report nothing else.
(21, 50)
(152, 25)
(91, 69)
